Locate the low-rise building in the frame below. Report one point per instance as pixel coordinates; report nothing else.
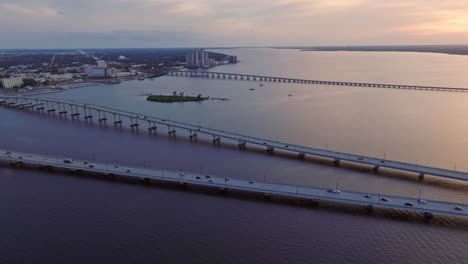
(13, 82)
(98, 72)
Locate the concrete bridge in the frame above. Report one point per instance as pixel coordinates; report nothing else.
(250, 77)
(135, 121)
(370, 201)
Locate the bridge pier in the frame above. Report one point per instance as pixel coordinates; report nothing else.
(134, 124)
(428, 216)
(376, 169)
(336, 162)
(270, 150)
(171, 131)
(102, 116)
(301, 155)
(87, 113)
(117, 120)
(216, 139)
(242, 144)
(193, 135)
(152, 126)
(421, 176)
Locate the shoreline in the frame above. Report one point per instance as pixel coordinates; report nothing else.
(461, 50)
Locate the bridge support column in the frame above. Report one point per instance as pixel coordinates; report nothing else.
(336, 162)
(134, 124)
(242, 144)
(216, 139)
(74, 113)
(62, 109)
(421, 176)
(87, 113)
(428, 216)
(270, 150)
(102, 117)
(117, 120)
(370, 208)
(301, 155)
(376, 169)
(193, 135)
(171, 131)
(152, 126)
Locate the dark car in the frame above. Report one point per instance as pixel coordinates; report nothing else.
(408, 204)
(384, 199)
(67, 161)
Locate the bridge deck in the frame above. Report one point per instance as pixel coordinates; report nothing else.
(266, 143)
(240, 76)
(312, 193)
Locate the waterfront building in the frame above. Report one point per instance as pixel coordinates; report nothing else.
(197, 58)
(9, 83)
(98, 72)
(231, 59)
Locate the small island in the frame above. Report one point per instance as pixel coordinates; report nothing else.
(176, 98)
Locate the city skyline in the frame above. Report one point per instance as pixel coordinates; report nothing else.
(207, 23)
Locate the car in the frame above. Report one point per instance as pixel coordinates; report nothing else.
(251, 182)
(208, 176)
(367, 196)
(226, 179)
(116, 167)
(360, 158)
(210, 181)
(382, 161)
(383, 199)
(334, 191)
(128, 170)
(458, 208)
(8, 153)
(181, 174)
(85, 162)
(198, 177)
(91, 166)
(420, 201)
(67, 161)
(408, 204)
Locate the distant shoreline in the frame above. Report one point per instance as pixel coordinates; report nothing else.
(440, 49)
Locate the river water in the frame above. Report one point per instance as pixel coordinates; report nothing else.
(54, 218)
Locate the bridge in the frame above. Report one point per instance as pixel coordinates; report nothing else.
(250, 77)
(371, 201)
(75, 110)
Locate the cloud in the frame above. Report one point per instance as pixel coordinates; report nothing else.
(242, 22)
(29, 10)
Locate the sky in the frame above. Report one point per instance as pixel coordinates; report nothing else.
(217, 23)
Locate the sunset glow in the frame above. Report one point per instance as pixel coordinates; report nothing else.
(228, 22)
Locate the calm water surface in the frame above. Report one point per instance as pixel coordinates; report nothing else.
(54, 218)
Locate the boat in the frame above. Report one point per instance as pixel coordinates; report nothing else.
(252, 89)
(261, 84)
(141, 78)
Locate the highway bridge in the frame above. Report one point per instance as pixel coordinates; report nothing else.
(369, 200)
(260, 78)
(103, 115)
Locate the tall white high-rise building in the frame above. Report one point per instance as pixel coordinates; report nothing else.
(197, 58)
